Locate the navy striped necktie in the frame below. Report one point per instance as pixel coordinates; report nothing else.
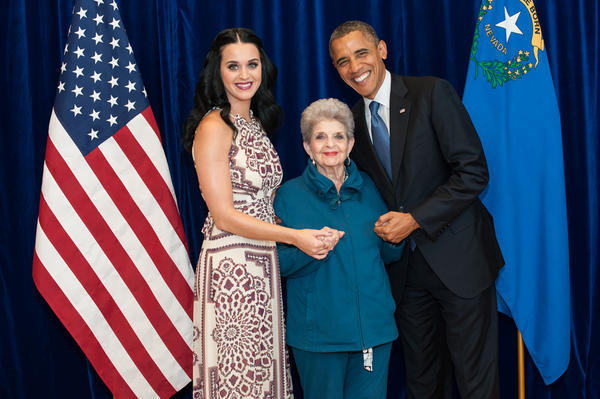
(381, 138)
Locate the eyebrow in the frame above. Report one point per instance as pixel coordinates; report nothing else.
(323, 132)
(236, 61)
(340, 60)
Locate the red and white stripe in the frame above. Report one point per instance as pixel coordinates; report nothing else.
(111, 258)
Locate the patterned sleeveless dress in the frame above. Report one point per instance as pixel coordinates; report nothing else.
(239, 338)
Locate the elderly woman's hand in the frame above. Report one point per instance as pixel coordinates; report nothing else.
(331, 237)
(317, 243)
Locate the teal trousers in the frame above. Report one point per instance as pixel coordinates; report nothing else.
(341, 375)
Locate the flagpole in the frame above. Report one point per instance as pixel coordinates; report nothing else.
(521, 365)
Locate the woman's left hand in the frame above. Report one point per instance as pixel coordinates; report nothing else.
(331, 237)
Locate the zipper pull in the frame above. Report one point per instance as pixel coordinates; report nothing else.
(368, 359)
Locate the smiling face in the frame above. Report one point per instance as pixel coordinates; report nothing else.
(241, 73)
(329, 145)
(359, 61)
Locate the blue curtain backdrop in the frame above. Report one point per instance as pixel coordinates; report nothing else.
(38, 358)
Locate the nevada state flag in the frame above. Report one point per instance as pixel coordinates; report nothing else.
(510, 96)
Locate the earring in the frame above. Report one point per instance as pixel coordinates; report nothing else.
(313, 162)
(348, 161)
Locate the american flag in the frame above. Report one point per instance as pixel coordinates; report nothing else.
(110, 253)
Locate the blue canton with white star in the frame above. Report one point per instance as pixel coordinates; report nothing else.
(100, 88)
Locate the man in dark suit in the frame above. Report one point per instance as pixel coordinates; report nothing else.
(416, 141)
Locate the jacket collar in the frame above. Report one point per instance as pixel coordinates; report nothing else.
(325, 188)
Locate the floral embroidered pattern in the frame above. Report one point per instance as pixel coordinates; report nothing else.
(244, 327)
(255, 171)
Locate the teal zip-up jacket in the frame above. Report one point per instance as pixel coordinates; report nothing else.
(343, 302)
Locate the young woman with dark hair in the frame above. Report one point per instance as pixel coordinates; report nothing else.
(239, 342)
(211, 94)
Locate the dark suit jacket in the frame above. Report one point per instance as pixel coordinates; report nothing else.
(438, 170)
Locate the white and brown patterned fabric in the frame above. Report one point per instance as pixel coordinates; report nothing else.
(239, 339)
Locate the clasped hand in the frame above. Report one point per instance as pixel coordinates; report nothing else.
(318, 243)
(395, 226)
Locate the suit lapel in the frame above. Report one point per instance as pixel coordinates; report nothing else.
(399, 114)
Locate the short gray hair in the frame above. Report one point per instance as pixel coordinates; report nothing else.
(352, 26)
(326, 109)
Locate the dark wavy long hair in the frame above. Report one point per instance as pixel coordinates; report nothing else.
(210, 91)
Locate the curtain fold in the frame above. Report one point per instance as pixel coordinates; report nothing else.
(170, 39)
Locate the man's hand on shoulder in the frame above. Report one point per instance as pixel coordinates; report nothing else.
(395, 226)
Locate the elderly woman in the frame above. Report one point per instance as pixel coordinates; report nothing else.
(340, 311)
